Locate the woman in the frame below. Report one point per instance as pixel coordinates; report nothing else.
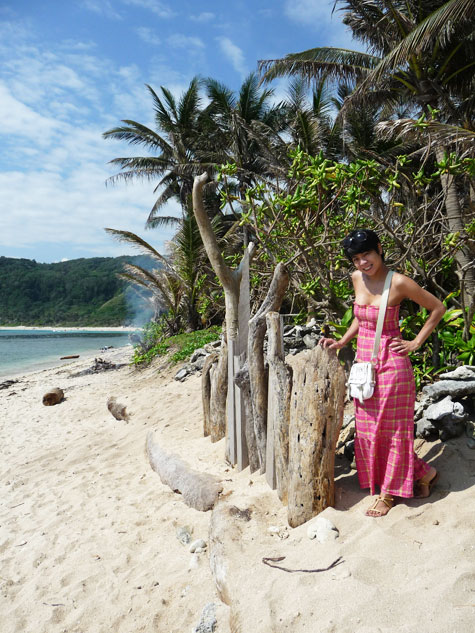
(384, 442)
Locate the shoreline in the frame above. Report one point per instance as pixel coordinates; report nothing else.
(67, 364)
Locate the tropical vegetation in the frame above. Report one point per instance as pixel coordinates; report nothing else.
(79, 292)
(383, 138)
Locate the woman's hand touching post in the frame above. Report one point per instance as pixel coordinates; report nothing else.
(350, 333)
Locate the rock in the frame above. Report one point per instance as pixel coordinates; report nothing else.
(348, 418)
(322, 529)
(450, 427)
(211, 347)
(452, 388)
(198, 364)
(426, 428)
(184, 533)
(444, 408)
(207, 623)
(346, 434)
(181, 374)
(280, 531)
(310, 341)
(199, 490)
(464, 372)
(197, 354)
(198, 544)
(419, 406)
(55, 396)
(349, 451)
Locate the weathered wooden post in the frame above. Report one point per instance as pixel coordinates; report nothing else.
(316, 415)
(257, 373)
(278, 408)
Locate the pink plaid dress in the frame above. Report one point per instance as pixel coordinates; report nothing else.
(384, 442)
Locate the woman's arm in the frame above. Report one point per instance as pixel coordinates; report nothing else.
(411, 290)
(350, 333)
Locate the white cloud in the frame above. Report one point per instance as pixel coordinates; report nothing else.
(102, 7)
(177, 40)
(148, 35)
(158, 8)
(234, 54)
(23, 120)
(317, 15)
(205, 16)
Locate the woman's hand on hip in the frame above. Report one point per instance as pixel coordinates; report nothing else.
(402, 347)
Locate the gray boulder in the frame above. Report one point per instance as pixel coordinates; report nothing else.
(426, 428)
(198, 353)
(464, 372)
(444, 408)
(454, 388)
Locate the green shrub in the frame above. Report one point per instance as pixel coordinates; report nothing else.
(182, 345)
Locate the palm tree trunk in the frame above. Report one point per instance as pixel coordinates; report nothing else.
(463, 258)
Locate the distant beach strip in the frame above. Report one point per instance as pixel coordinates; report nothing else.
(25, 349)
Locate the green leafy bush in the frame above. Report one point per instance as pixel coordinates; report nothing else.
(181, 346)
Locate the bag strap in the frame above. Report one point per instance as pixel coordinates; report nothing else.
(381, 315)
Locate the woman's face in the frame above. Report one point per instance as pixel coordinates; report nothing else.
(368, 262)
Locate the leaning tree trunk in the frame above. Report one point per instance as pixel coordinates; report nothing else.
(316, 415)
(463, 256)
(236, 449)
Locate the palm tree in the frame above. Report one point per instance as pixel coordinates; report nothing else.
(173, 146)
(176, 281)
(243, 128)
(419, 51)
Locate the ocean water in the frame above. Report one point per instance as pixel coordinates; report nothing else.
(28, 350)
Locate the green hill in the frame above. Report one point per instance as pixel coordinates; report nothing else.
(79, 292)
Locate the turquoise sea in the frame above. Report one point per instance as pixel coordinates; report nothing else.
(27, 350)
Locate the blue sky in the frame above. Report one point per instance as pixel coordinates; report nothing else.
(70, 70)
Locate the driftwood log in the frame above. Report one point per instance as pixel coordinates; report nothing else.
(278, 408)
(52, 397)
(118, 410)
(316, 415)
(199, 490)
(255, 355)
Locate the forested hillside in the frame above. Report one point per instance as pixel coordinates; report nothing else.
(80, 292)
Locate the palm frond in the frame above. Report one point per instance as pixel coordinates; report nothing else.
(316, 63)
(137, 242)
(138, 134)
(439, 27)
(162, 221)
(430, 131)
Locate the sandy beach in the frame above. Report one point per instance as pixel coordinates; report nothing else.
(88, 537)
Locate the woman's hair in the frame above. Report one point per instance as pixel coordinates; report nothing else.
(360, 241)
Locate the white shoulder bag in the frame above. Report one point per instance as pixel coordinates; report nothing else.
(362, 376)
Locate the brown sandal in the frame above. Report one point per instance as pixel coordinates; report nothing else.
(423, 489)
(387, 500)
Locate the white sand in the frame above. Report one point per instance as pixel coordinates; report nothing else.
(88, 532)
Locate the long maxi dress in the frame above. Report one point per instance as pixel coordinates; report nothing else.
(384, 442)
